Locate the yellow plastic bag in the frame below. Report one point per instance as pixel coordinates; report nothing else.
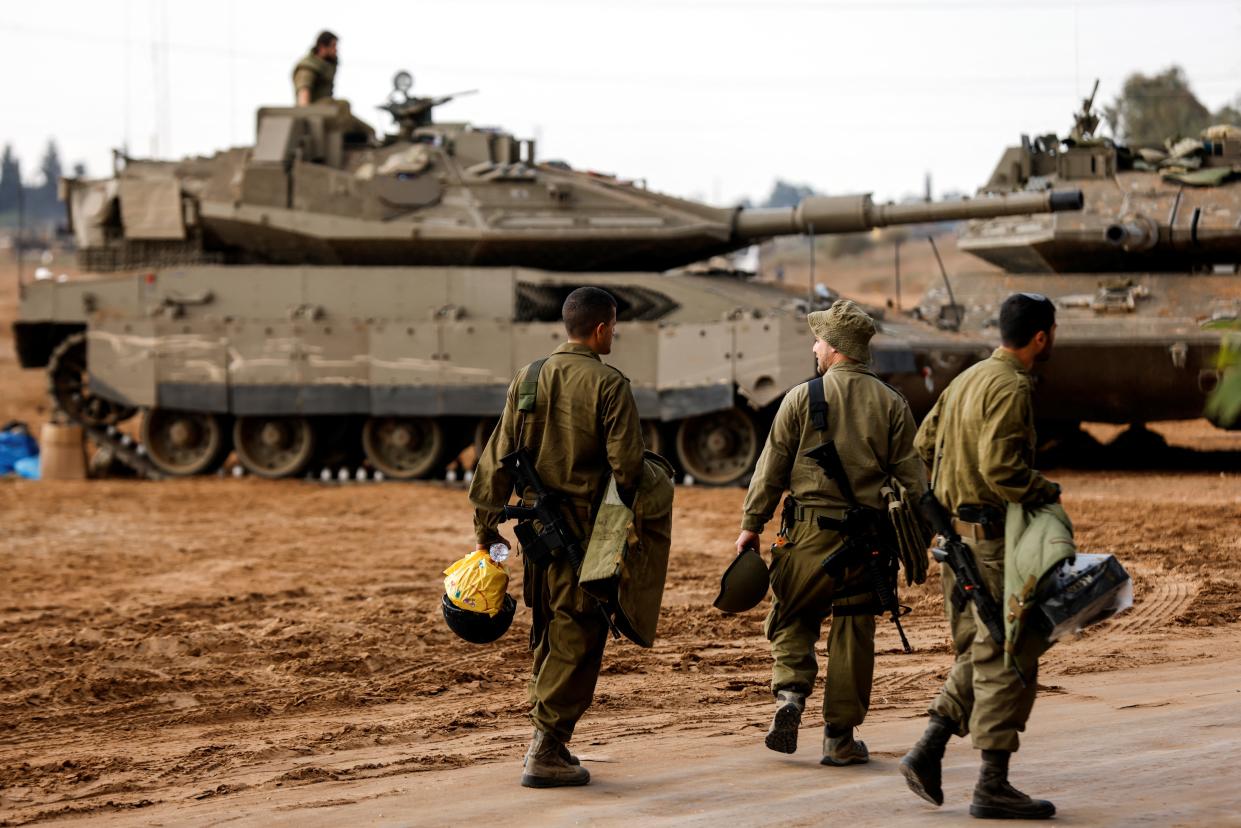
(476, 583)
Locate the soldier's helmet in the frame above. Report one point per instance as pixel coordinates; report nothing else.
(479, 627)
(744, 583)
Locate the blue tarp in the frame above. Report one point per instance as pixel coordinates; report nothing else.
(27, 467)
(16, 444)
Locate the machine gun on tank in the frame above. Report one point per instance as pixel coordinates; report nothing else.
(412, 112)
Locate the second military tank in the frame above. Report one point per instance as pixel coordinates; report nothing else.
(1145, 278)
(329, 289)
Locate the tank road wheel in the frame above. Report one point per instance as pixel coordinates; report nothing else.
(482, 433)
(183, 443)
(274, 446)
(652, 436)
(68, 383)
(404, 448)
(717, 448)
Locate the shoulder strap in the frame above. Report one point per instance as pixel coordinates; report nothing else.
(818, 404)
(939, 436)
(528, 388)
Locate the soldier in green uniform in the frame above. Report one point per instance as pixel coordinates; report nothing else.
(315, 74)
(979, 442)
(872, 427)
(584, 425)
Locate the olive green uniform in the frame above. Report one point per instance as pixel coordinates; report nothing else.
(316, 74)
(873, 431)
(979, 441)
(585, 425)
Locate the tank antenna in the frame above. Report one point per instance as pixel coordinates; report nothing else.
(952, 300)
(896, 247)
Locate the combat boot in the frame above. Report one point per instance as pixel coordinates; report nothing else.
(546, 766)
(564, 751)
(922, 767)
(994, 798)
(840, 748)
(782, 736)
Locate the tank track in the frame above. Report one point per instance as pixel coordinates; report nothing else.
(100, 426)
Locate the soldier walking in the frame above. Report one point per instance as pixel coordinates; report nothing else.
(583, 426)
(979, 442)
(872, 427)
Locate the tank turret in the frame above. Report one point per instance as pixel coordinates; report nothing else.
(319, 187)
(1144, 277)
(1169, 209)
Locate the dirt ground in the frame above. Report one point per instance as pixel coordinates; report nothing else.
(171, 643)
(220, 650)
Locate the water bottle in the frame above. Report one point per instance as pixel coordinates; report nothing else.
(498, 552)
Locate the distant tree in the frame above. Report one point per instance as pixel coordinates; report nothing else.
(79, 170)
(1229, 113)
(46, 195)
(10, 179)
(784, 194)
(1152, 108)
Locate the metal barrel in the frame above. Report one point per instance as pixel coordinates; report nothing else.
(858, 213)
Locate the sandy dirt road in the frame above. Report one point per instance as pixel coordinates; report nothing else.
(186, 651)
(1155, 746)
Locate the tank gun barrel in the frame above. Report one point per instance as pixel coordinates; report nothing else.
(858, 213)
(1134, 233)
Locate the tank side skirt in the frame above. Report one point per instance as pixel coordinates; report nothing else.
(410, 400)
(212, 398)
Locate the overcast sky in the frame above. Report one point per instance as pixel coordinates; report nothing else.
(711, 99)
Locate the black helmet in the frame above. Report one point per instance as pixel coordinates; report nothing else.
(479, 627)
(744, 583)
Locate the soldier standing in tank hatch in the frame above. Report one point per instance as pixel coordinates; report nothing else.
(873, 430)
(315, 74)
(979, 441)
(584, 424)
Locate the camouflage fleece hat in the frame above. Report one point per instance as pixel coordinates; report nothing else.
(845, 327)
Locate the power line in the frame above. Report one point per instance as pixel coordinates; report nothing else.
(1022, 83)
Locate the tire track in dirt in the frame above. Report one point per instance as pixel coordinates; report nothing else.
(1169, 596)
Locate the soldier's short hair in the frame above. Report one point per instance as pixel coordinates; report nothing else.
(1023, 315)
(325, 38)
(585, 309)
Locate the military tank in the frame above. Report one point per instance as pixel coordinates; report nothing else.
(1145, 278)
(332, 290)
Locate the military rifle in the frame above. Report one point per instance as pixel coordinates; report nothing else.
(864, 535)
(557, 536)
(969, 583)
